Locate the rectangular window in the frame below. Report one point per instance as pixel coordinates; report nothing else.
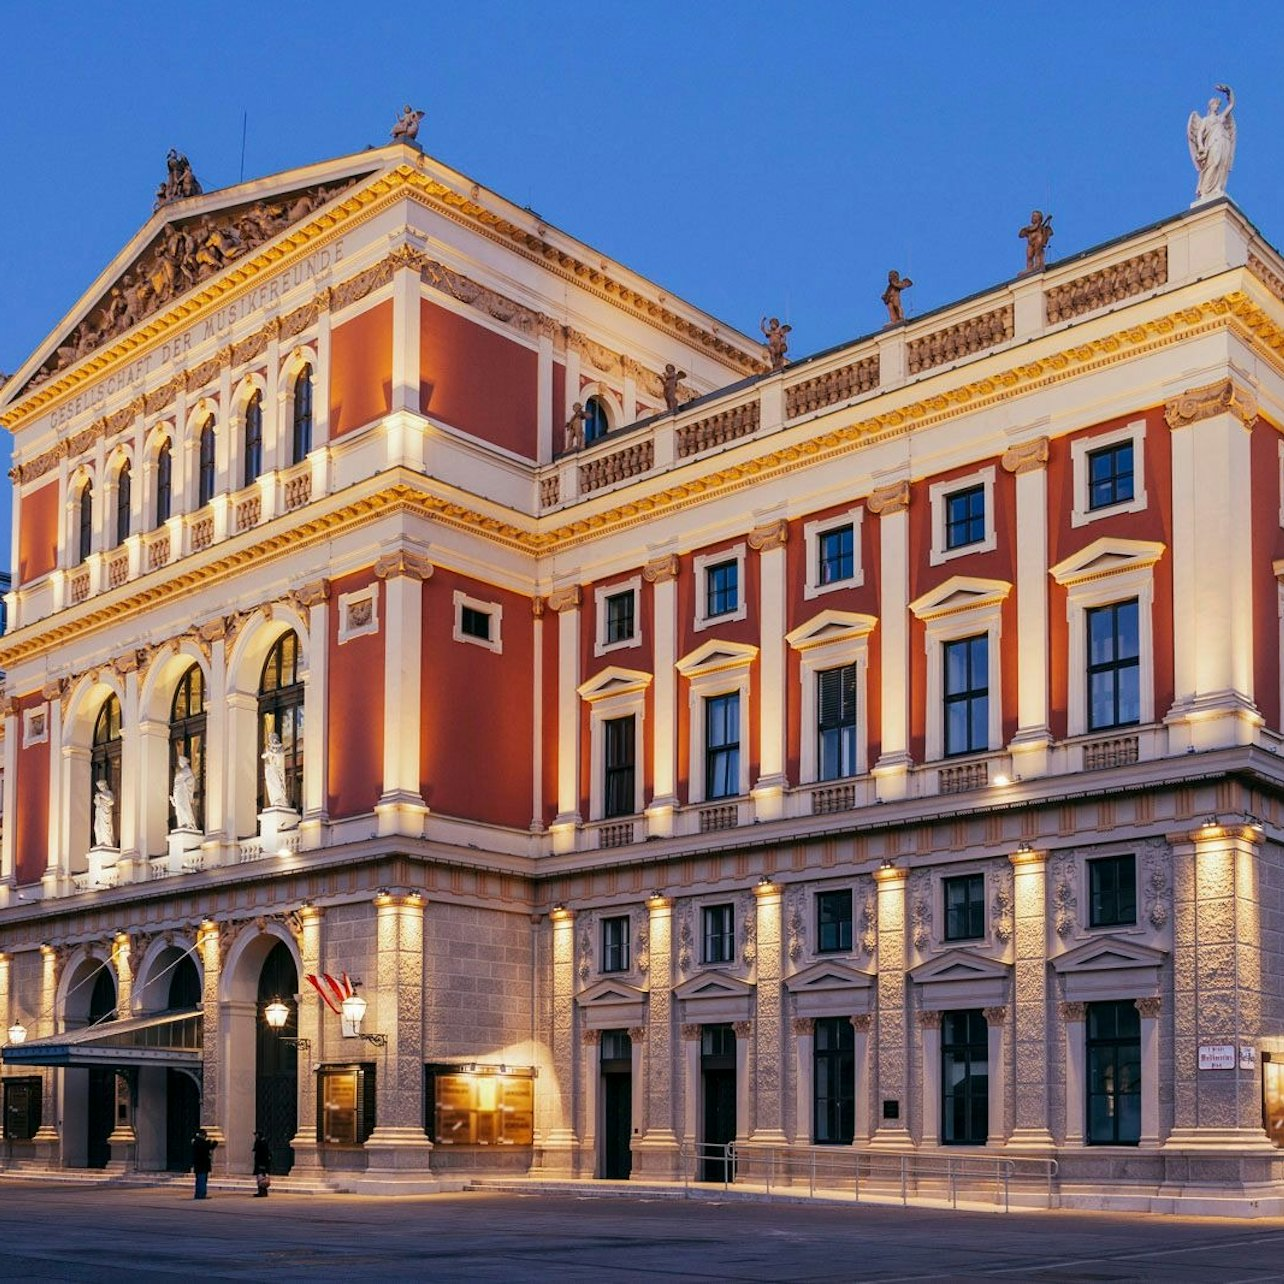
(1113, 1033)
(474, 623)
(836, 722)
(1110, 475)
(837, 555)
(965, 517)
(722, 588)
(1114, 666)
(719, 933)
(965, 907)
(1112, 885)
(965, 1079)
(619, 617)
(722, 746)
(834, 922)
(834, 1053)
(345, 1105)
(615, 944)
(618, 780)
(967, 695)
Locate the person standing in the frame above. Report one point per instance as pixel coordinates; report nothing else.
(202, 1154)
(262, 1165)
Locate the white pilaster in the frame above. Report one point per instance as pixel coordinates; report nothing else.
(566, 602)
(769, 791)
(662, 573)
(891, 505)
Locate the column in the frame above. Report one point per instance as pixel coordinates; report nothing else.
(314, 598)
(769, 791)
(804, 1031)
(123, 1138)
(1030, 1006)
(216, 778)
(662, 572)
(405, 332)
(559, 1136)
(1149, 1009)
(320, 455)
(538, 695)
(401, 808)
(46, 1140)
(995, 1020)
(861, 1024)
(891, 505)
(275, 433)
(891, 1055)
(691, 1092)
(1212, 568)
(209, 946)
(9, 799)
(1072, 1020)
(1029, 462)
(57, 857)
(398, 1151)
(306, 1158)
(566, 602)
(655, 1154)
(590, 1076)
(637, 1087)
(131, 840)
(769, 1021)
(929, 1024)
(744, 1077)
(544, 396)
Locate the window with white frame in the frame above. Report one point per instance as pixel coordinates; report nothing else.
(1109, 601)
(616, 607)
(831, 546)
(1109, 473)
(964, 712)
(617, 704)
(478, 622)
(720, 587)
(717, 674)
(962, 515)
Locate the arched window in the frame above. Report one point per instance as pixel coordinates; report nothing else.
(281, 711)
(123, 489)
(86, 537)
(253, 438)
(302, 439)
(187, 737)
(205, 481)
(104, 760)
(596, 422)
(164, 482)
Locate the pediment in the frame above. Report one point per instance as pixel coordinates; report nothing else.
(1108, 954)
(1107, 556)
(831, 626)
(828, 976)
(959, 965)
(714, 985)
(609, 993)
(613, 681)
(716, 655)
(960, 593)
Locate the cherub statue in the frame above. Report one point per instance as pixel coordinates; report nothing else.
(892, 296)
(575, 427)
(184, 795)
(407, 126)
(669, 380)
(1211, 139)
(1037, 233)
(274, 772)
(777, 343)
(104, 801)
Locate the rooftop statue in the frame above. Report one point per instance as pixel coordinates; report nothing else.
(892, 296)
(1211, 138)
(407, 127)
(669, 380)
(179, 183)
(575, 427)
(777, 343)
(1037, 234)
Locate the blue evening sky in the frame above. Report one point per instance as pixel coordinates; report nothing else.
(753, 157)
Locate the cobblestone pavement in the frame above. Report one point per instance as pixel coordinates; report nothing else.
(50, 1231)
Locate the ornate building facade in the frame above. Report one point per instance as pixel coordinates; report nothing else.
(663, 745)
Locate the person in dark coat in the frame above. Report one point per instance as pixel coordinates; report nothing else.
(202, 1155)
(262, 1165)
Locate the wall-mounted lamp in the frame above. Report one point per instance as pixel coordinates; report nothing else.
(1211, 822)
(1002, 780)
(1023, 848)
(276, 1014)
(17, 1033)
(886, 863)
(353, 1013)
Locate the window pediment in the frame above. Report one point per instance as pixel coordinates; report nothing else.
(714, 985)
(1107, 556)
(831, 626)
(1108, 953)
(961, 979)
(610, 1003)
(716, 656)
(829, 977)
(959, 965)
(613, 681)
(960, 593)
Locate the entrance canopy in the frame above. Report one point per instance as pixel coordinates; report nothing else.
(162, 1039)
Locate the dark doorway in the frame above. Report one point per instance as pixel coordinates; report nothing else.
(276, 1113)
(965, 1078)
(100, 1106)
(718, 1075)
(617, 1104)
(182, 1097)
(834, 1081)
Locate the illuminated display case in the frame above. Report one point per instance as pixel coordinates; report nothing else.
(345, 1104)
(475, 1105)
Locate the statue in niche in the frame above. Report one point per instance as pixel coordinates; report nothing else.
(179, 182)
(1211, 139)
(669, 381)
(184, 795)
(104, 801)
(892, 296)
(777, 343)
(1037, 233)
(575, 427)
(274, 772)
(407, 127)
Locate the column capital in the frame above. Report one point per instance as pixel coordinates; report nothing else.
(1150, 1006)
(890, 876)
(886, 500)
(742, 1029)
(637, 1033)
(772, 535)
(1026, 456)
(995, 1016)
(1074, 1011)
(929, 1020)
(414, 566)
(662, 569)
(803, 1026)
(311, 594)
(1224, 396)
(563, 599)
(590, 1038)
(690, 1031)
(862, 1022)
(1025, 856)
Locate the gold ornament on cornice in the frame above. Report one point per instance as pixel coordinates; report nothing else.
(772, 535)
(403, 562)
(1027, 456)
(662, 569)
(1223, 397)
(563, 599)
(885, 500)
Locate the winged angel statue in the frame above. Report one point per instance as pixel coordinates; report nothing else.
(1212, 145)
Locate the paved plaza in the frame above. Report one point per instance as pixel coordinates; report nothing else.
(64, 1232)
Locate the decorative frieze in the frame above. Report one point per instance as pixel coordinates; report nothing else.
(1109, 285)
(955, 342)
(834, 385)
(1268, 276)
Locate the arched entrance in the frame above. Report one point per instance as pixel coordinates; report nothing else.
(100, 1101)
(276, 1064)
(182, 1097)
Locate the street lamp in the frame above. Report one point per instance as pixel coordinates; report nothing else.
(276, 1014)
(17, 1033)
(354, 1011)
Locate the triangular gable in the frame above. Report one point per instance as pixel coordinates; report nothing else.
(959, 965)
(714, 985)
(1108, 953)
(831, 626)
(828, 975)
(613, 681)
(611, 1003)
(960, 593)
(716, 655)
(1107, 556)
(609, 991)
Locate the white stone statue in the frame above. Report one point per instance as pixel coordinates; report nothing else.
(104, 801)
(184, 795)
(1212, 145)
(274, 772)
